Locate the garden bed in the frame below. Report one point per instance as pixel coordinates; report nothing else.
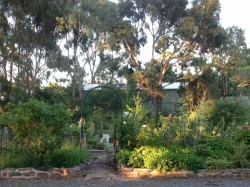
(32, 173)
(135, 173)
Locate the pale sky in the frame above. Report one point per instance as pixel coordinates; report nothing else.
(236, 12)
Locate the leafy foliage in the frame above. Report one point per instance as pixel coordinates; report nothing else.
(241, 156)
(215, 148)
(69, 157)
(38, 127)
(134, 120)
(193, 139)
(64, 157)
(233, 112)
(221, 163)
(200, 88)
(13, 160)
(160, 158)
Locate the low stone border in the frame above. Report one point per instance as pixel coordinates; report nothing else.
(135, 173)
(32, 173)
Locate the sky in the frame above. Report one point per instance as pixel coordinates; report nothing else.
(236, 13)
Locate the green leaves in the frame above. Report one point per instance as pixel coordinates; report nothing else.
(38, 127)
(160, 158)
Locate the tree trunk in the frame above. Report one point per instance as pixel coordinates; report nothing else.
(224, 84)
(74, 74)
(158, 104)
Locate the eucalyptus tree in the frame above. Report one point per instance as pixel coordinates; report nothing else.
(100, 53)
(71, 27)
(231, 61)
(4, 54)
(180, 32)
(4, 27)
(31, 36)
(84, 30)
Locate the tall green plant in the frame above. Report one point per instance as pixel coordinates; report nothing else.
(134, 118)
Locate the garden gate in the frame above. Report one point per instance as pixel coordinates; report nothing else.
(116, 141)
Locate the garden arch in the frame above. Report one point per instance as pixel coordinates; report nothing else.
(119, 98)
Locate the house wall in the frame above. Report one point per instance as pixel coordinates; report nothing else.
(169, 101)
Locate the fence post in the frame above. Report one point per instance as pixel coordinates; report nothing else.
(82, 135)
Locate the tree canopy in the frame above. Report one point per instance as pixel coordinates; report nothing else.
(99, 41)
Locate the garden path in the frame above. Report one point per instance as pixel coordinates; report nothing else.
(99, 167)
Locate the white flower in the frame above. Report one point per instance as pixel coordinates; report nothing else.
(126, 114)
(124, 122)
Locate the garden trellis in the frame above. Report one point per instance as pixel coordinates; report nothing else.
(120, 111)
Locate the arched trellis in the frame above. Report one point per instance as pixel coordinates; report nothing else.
(121, 112)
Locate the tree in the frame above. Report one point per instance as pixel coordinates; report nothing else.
(178, 34)
(31, 37)
(204, 87)
(84, 29)
(231, 59)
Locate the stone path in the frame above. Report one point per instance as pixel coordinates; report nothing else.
(100, 167)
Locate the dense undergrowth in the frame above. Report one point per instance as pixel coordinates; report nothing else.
(213, 136)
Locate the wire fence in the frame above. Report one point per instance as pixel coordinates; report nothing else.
(9, 144)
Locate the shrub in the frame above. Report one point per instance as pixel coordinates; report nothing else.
(183, 158)
(151, 136)
(152, 157)
(215, 148)
(63, 157)
(220, 163)
(210, 119)
(133, 120)
(233, 112)
(13, 160)
(243, 135)
(241, 155)
(160, 158)
(38, 127)
(69, 157)
(123, 156)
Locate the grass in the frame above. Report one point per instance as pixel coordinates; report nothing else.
(67, 156)
(10, 159)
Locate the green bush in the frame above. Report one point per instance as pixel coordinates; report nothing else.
(215, 148)
(123, 156)
(134, 119)
(69, 157)
(13, 160)
(219, 163)
(183, 158)
(210, 119)
(160, 158)
(147, 157)
(64, 157)
(241, 155)
(233, 113)
(38, 127)
(149, 135)
(243, 135)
